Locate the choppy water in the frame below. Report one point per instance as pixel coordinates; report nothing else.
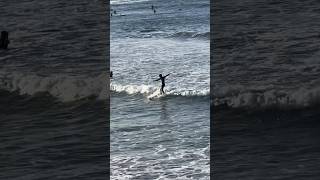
(266, 89)
(167, 138)
(53, 90)
(266, 53)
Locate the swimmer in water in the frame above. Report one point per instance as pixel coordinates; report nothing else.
(4, 40)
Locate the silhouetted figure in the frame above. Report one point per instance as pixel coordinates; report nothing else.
(154, 11)
(111, 14)
(152, 7)
(114, 12)
(162, 78)
(111, 74)
(4, 40)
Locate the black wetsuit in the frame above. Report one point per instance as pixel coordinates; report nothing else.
(163, 84)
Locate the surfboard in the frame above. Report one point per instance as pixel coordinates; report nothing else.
(155, 95)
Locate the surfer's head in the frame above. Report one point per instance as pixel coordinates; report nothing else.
(160, 75)
(4, 35)
(4, 40)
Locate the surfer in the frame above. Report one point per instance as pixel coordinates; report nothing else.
(162, 78)
(111, 74)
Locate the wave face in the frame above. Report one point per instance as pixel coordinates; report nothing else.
(241, 96)
(64, 88)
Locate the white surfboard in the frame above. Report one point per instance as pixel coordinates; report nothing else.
(155, 95)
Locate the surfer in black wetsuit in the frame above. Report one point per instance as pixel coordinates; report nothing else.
(162, 78)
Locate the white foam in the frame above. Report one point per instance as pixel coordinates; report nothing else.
(148, 90)
(176, 165)
(64, 87)
(241, 96)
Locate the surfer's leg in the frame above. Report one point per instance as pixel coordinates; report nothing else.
(162, 92)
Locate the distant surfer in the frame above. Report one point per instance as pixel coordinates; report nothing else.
(4, 40)
(154, 11)
(111, 74)
(152, 7)
(162, 78)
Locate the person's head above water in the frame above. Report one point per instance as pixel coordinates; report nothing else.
(4, 34)
(4, 40)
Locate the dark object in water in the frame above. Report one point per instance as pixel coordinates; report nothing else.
(111, 74)
(162, 78)
(4, 40)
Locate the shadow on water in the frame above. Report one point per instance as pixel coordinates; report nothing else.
(164, 112)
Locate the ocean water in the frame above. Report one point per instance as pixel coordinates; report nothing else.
(165, 138)
(266, 89)
(53, 90)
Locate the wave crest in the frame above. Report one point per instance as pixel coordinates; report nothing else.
(149, 89)
(238, 96)
(65, 88)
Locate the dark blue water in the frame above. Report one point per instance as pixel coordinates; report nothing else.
(53, 94)
(265, 89)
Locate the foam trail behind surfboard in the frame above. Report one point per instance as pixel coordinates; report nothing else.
(155, 95)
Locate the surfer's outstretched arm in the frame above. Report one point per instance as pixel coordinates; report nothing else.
(167, 75)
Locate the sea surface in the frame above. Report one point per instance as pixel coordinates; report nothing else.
(53, 90)
(168, 137)
(265, 89)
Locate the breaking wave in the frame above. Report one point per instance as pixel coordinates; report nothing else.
(149, 89)
(239, 96)
(63, 87)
